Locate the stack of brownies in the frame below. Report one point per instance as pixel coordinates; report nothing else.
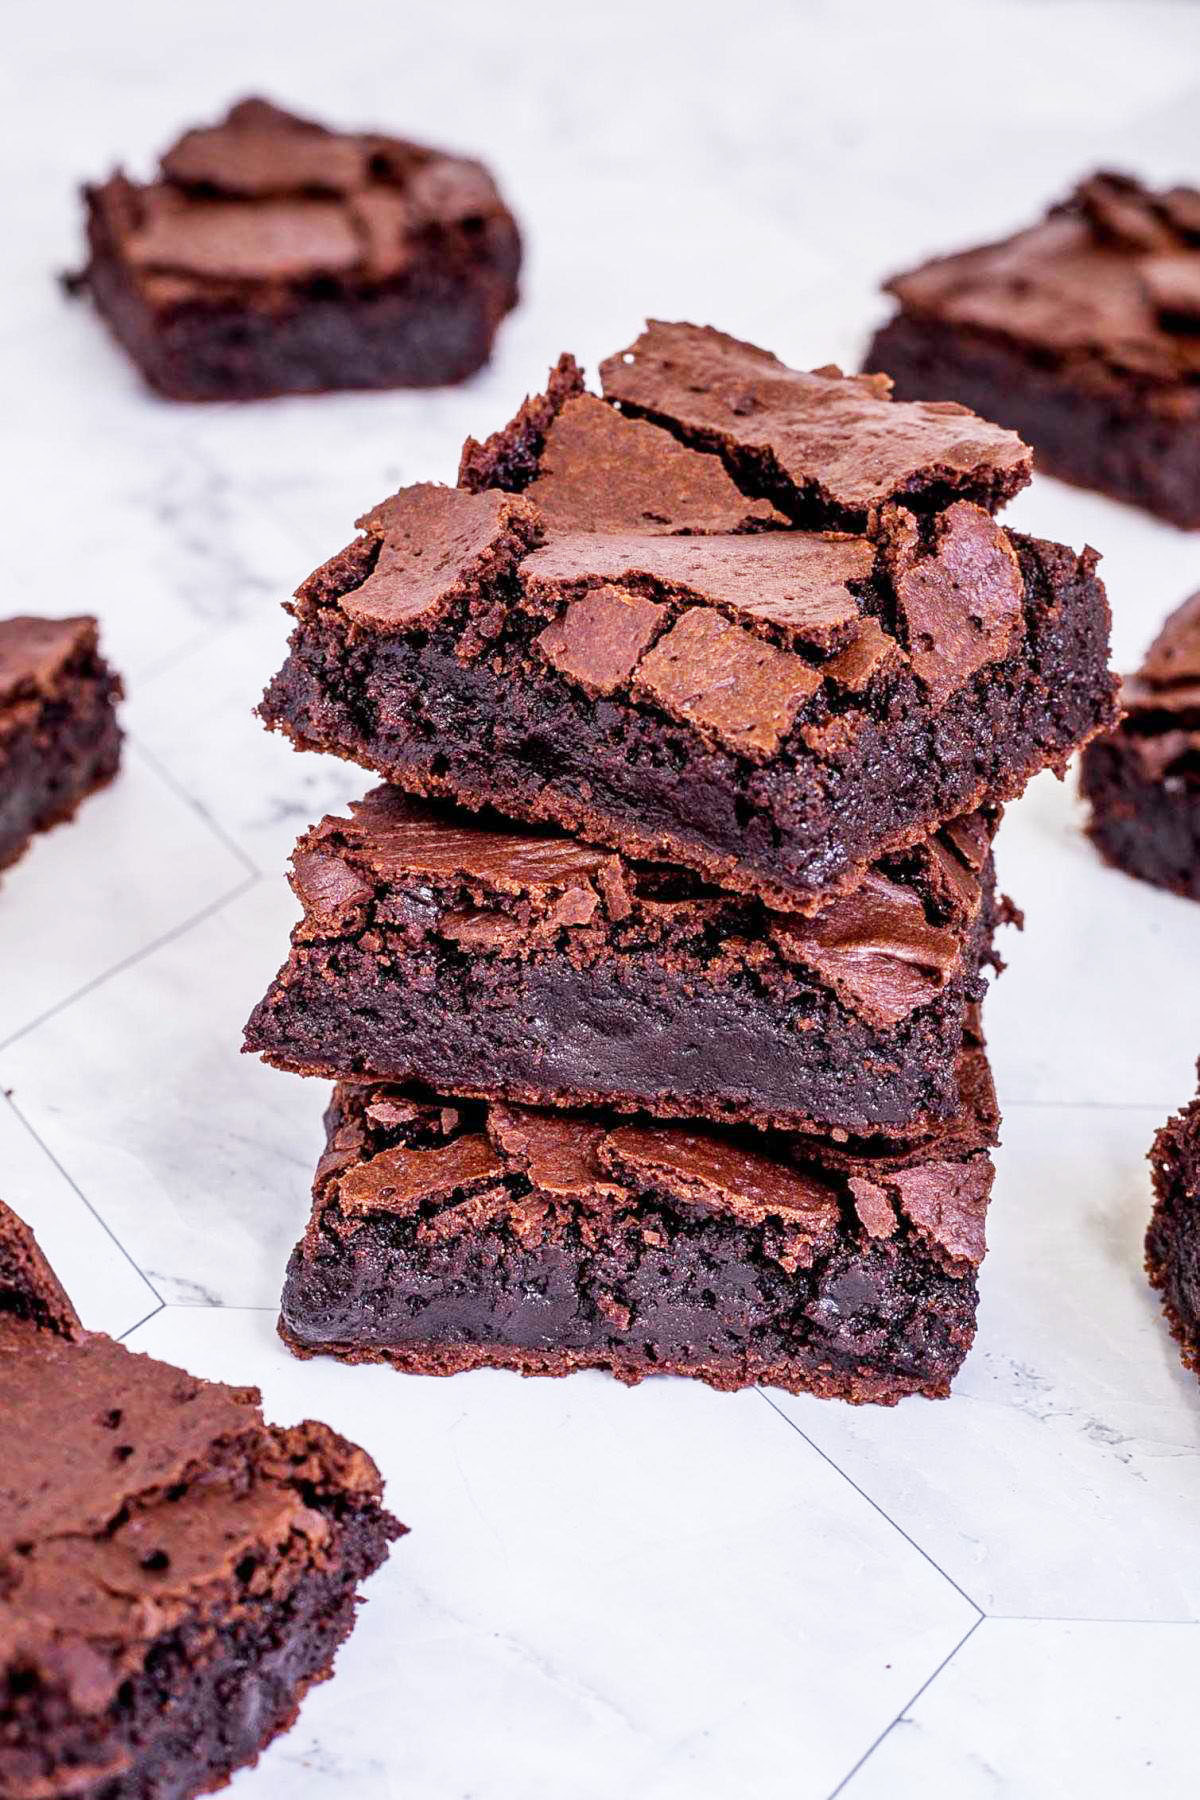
(650, 983)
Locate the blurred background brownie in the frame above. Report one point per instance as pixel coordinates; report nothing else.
(1082, 333)
(1142, 781)
(770, 644)
(482, 958)
(59, 738)
(272, 256)
(451, 1236)
(175, 1572)
(1173, 1240)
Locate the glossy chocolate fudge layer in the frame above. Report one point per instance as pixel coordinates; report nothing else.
(1082, 333)
(59, 738)
(273, 256)
(458, 1235)
(175, 1572)
(1142, 780)
(639, 646)
(479, 958)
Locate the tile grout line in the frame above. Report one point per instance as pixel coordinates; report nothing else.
(128, 1333)
(135, 957)
(867, 1754)
(77, 1190)
(874, 1504)
(172, 783)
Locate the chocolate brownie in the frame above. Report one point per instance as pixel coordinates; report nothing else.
(450, 1236)
(1173, 1240)
(479, 958)
(639, 647)
(1082, 333)
(272, 256)
(175, 1572)
(59, 738)
(1142, 780)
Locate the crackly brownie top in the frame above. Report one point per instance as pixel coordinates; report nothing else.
(35, 652)
(134, 1496)
(658, 560)
(811, 439)
(265, 199)
(424, 872)
(449, 1169)
(1113, 272)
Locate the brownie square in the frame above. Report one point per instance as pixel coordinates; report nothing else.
(480, 958)
(1082, 333)
(271, 256)
(175, 1572)
(1142, 781)
(59, 739)
(451, 1236)
(1173, 1239)
(773, 643)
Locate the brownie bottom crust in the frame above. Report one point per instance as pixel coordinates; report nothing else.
(1102, 432)
(1143, 822)
(51, 763)
(429, 332)
(727, 1374)
(198, 1713)
(1173, 1238)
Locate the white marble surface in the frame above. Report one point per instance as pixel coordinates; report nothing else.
(666, 1592)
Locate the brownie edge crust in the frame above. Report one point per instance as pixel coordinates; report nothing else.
(175, 1573)
(59, 736)
(447, 1237)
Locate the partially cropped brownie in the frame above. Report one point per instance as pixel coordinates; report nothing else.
(479, 958)
(451, 1236)
(1173, 1240)
(766, 629)
(272, 256)
(59, 738)
(1142, 781)
(1082, 333)
(174, 1572)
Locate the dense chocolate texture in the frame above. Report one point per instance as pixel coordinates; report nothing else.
(1082, 333)
(626, 638)
(174, 1572)
(1142, 780)
(481, 959)
(1173, 1239)
(59, 738)
(455, 1236)
(272, 256)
